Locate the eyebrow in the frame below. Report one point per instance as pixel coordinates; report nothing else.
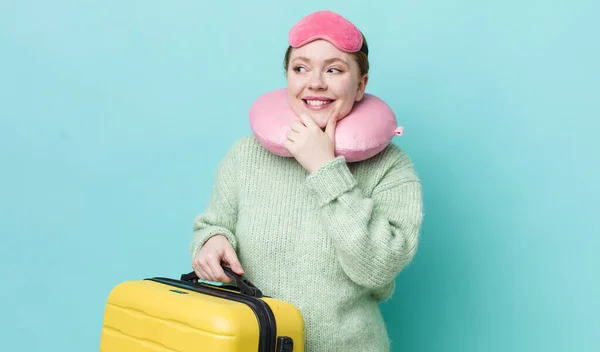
(328, 61)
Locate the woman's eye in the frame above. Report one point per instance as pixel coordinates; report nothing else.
(299, 69)
(335, 70)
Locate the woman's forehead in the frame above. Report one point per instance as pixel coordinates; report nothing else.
(319, 50)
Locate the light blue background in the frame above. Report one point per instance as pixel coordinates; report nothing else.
(114, 114)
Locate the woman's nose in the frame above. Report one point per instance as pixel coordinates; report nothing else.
(316, 82)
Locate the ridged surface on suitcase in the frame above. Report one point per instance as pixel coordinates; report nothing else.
(148, 316)
(144, 316)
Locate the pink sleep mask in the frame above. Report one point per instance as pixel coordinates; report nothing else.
(364, 132)
(329, 26)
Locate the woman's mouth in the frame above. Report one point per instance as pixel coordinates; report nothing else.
(317, 103)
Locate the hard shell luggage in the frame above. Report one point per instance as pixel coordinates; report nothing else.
(187, 315)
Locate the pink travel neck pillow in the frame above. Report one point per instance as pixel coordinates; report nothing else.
(363, 133)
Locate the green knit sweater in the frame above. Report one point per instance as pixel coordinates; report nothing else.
(330, 243)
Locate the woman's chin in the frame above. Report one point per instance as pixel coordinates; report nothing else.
(319, 116)
(320, 119)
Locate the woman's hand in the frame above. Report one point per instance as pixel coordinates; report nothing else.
(207, 263)
(312, 147)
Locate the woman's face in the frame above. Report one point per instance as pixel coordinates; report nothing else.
(321, 77)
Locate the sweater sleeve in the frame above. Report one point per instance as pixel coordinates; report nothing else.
(220, 215)
(375, 237)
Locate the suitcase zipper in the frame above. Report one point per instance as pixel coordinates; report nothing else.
(264, 314)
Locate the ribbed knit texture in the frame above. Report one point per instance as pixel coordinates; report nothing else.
(330, 243)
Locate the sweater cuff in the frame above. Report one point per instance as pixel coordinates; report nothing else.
(331, 180)
(201, 236)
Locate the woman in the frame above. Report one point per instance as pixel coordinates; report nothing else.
(325, 235)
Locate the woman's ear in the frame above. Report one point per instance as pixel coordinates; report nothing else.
(362, 85)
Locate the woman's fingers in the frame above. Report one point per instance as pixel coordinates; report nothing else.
(217, 271)
(201, 274)
(291, 135)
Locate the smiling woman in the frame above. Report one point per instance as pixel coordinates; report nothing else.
(345, 73)
(320, 75)
(323, 233)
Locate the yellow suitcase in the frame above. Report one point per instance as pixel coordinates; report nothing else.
(188, 315)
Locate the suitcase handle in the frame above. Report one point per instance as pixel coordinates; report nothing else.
(245, 286)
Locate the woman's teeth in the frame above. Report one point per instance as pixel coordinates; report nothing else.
(317, 102)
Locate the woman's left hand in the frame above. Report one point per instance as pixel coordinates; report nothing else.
(311, 146)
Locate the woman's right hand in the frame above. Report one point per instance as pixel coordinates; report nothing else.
(207, 263)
